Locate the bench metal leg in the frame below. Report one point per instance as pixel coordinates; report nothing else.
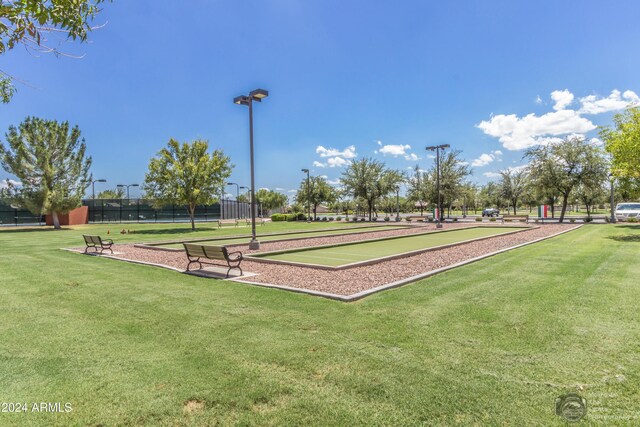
(193, 261)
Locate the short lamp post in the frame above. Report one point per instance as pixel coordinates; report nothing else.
(308, 194)
(613, 203)
(437, 149)
(93, 187)
(397, 203)
(127, 186)
(255, 95)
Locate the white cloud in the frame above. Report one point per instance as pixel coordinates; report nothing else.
(615, 101)
(519, 133)
(510, 168)
(486, 159)
(492, 174)
(318, 164)
(279, 189)
(333, 181)
(334, 162)
(394, 150)
(538, 100)
(562, 98)
(264, 188)
(5, 183)
(431, 156)
(292, 191)
(412, 157)
(347, 153)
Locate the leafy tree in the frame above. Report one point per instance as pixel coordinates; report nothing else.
(270, 200)
(49, 160)
(453, 173)
(558, 168)
(4, 193)
(623, 143)
(27, 22)
(243, 198)
(491, 195)
(369, 180)
(117, 193)
(187, 174)
(421, 187)
(319, 192)
(513, 184)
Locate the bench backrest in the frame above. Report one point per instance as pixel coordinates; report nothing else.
(92, 240)
(206, 251)
(228, 221)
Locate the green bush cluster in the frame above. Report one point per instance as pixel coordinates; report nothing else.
(288, 217)
(478, 219)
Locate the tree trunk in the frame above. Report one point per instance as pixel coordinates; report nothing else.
(564, 207)
(192, 215)
(514, 207)
(56, 220)
(315, 209)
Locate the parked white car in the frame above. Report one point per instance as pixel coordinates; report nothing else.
(624, 211)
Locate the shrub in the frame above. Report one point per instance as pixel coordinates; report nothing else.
(455, 219)
(362, 220)
(408, 219)
(278, 217)
(492, 219)
(588, 219)
(331, 218)
(324, 218)
(292, 217)
(338, 218)
(479, 219)
(572, 220)
(607, 219)
(387, 219)
(632, 219)
(354, 219)
(375, 218)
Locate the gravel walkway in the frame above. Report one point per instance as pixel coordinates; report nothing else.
(357, 279)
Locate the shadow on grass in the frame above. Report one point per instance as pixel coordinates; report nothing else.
(627, 238)
(172, 230)
(7, 229)
(629, 226)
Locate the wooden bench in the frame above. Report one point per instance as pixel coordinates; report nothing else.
(97, 243)
(196, 252)
(232, 221)
(509, 218)
(423, 218)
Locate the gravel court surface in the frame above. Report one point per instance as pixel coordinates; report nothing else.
(359, 252)
(357, 279)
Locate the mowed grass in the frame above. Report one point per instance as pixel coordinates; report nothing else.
(491, 343)
(356, 252)
(265, 237)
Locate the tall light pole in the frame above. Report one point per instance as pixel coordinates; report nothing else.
(246, 188)
(308, 194)
(255, 95)
(128, 186)
(237, 195)
(437, 149)
(397, 203)
(93, 187)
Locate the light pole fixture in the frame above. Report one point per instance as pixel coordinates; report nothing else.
(437, 149)
(255, 95)
(308, 194)
(127, 186)
(93, 187)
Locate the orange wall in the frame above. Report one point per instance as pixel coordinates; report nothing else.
(77, 216)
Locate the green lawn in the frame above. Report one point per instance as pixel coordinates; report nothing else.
(491, 343)
(356, 252)
(263, 237)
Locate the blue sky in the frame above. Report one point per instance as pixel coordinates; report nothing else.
(346, 80)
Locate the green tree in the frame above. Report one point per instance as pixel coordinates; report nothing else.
(187, 174)
(558, 168)
(491, 195)
(420, 189)
(513, 184)
(27, 22)
(49, 160)
(319, 192)
(117, 193)
(623, 143)
(270, 200)
(369, 180)
(453, 174)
